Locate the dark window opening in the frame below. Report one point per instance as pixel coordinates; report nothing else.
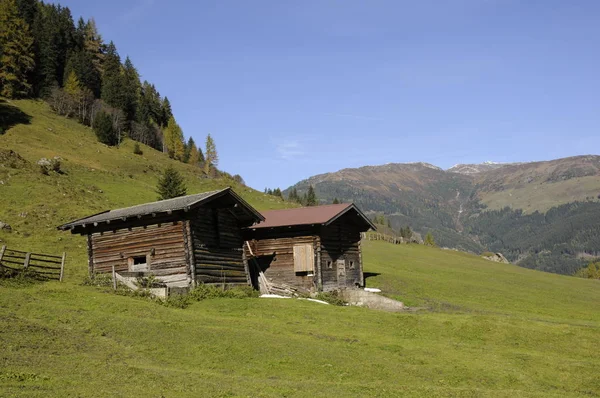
(329, 264)
(139, 260)
(351, 265)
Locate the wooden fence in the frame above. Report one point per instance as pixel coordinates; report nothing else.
(387, 238)
(42, 265)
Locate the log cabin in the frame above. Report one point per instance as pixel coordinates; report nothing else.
(311, 248)
(181, 241)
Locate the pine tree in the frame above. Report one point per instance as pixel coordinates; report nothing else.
(81, 63)
(277, 192)
(211, 157)
(201, 158)
(293, 195)
(165, 111)
(27, 10)
(132, 89)
(194, 154)
(113, 87)
(16, 55)
(103, 127)
(173, 140)
(335, 201)
(311, 197)
(149, 109)
(93, 45)
(170, 185)
(54, 34)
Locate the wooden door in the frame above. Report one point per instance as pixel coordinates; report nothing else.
(304, 259)
(341, 272)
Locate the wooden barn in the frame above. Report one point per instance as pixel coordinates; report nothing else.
(181, 241)
(311, 248)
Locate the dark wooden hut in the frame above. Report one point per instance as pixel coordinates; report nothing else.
(312, 248)
(182, 241)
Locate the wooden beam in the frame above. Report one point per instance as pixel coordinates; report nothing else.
(27, 259)
(62, 267)
(90, 256)
(114, 278)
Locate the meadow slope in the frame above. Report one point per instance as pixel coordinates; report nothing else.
(484, 329)
(489, 330)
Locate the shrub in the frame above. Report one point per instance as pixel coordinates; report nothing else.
(99, 280)
(137, 150)
(592, 271)
(48, 165)
(332, 298)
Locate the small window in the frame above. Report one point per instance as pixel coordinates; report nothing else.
(351, 265)
(139, 260)
(329, 264)
(138, 263)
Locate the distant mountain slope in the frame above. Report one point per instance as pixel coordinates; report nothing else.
(477, 168)
(501, 207)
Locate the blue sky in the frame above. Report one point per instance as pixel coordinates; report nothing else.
(290, 89)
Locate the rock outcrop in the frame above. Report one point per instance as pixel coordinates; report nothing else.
(497, 257)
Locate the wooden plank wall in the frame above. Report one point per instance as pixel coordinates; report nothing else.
(115, 247)
(340, 241)
(281, 268)
(218, 247)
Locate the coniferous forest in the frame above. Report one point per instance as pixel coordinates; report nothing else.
(45, 54)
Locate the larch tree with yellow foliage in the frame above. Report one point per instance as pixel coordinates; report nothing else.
(173, 140)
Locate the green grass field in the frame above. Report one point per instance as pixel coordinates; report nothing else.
(484, 329)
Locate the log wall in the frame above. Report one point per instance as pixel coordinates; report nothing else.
(116, 247)
(218, 248)
(340, 247)
(280, 267)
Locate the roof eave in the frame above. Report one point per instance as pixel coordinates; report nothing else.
(360, 213)
(76, 225)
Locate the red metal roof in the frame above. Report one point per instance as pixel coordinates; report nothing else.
(306, 216)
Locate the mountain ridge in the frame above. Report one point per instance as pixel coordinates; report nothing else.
(516, 200)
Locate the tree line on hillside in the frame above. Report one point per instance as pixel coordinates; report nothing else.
(308, 199)
(44, 54)
(555, 241)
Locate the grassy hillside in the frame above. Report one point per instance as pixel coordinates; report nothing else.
(95, 178)
(485, 329)
(492, 330)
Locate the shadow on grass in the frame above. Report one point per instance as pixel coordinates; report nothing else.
(11, 116)
(367, 275)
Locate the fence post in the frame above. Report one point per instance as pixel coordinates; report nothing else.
(62, 267)
(2, 252)
(26, 263)
(114, 276)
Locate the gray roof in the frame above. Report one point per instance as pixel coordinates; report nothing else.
(162, 206)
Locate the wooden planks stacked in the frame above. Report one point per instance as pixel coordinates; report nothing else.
(41, 265)
(162, 244)
(217, 245)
